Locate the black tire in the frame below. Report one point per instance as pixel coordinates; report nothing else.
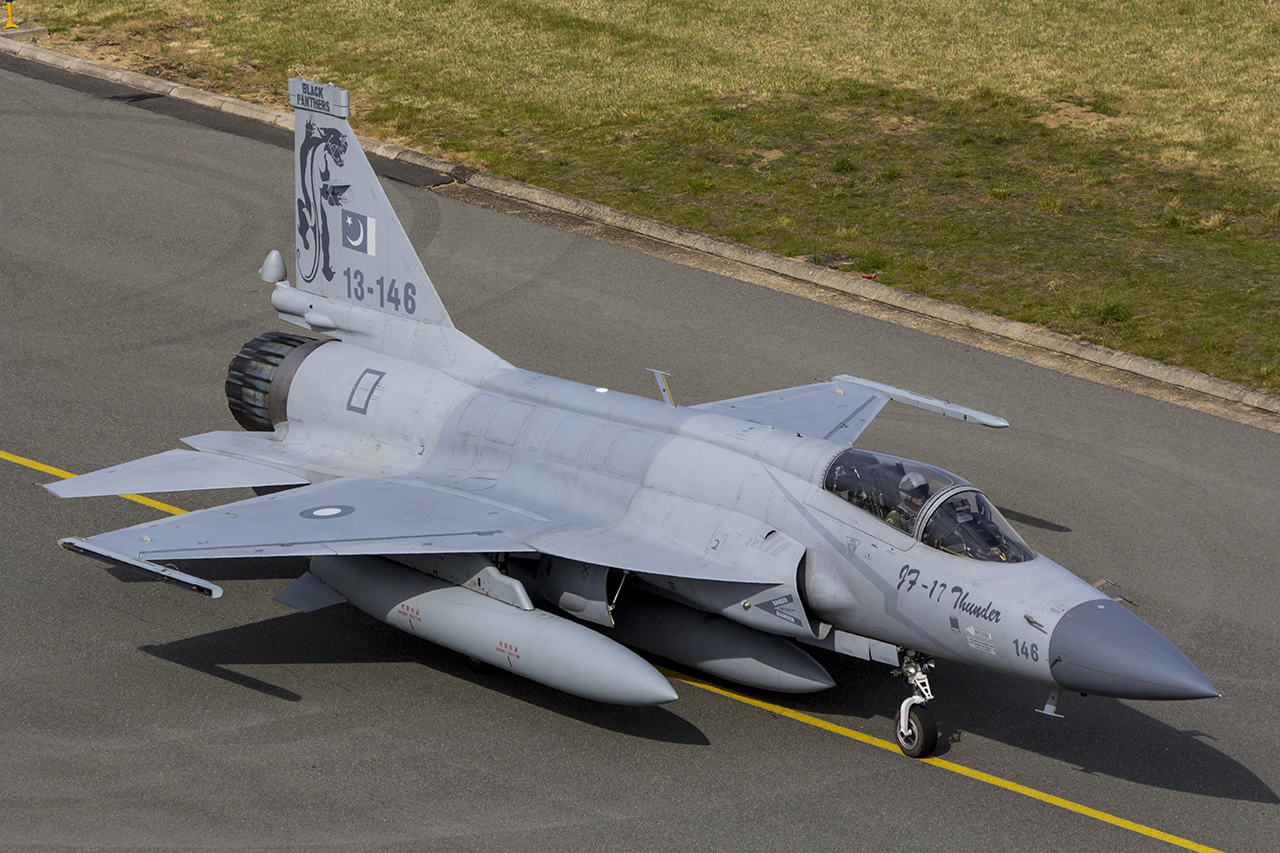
(922, 734)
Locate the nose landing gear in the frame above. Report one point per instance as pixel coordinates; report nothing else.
(915, 730)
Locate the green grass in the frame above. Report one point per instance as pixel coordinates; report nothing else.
(1106, 169)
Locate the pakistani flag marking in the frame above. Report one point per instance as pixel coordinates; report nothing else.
(358, 232)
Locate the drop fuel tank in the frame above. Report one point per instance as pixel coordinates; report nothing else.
(534, 644)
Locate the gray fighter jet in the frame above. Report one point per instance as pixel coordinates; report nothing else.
(452, 495)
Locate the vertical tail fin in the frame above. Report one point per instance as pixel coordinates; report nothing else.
(351, 250)
(350, 245)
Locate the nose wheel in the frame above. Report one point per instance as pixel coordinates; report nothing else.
(921, 735)
(915, 729)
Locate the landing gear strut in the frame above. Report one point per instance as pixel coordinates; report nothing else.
(914, 729)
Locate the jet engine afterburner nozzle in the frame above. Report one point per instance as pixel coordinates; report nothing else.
(258, 379)
(1100, 647)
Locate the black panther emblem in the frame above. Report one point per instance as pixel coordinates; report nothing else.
(313, 223)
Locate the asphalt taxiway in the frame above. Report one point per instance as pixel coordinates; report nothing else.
(139, 716)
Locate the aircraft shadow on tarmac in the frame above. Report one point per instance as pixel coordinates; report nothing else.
(340, 634)
(239, 569)
(1033, 521)
(1098, 735)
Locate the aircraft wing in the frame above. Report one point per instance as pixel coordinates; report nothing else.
(832, 410)
(351, 516)
(365, 516)
(838, 410)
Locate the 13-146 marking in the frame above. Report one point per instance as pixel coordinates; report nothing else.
(393, 295)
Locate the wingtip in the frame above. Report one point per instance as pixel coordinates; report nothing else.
(52, 488)
(106, 555)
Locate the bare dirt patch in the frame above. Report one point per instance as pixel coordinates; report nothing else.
(176, 53)
(766, 157)
(1065, 113)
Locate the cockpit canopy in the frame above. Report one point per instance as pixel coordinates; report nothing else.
(939, 508)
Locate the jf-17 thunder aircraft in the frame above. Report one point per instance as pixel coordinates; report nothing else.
(549, 527)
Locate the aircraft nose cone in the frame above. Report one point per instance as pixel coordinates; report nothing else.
(1100, 647)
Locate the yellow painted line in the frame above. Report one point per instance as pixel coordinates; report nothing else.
(946, 765)
(154, 504)
(58, 472)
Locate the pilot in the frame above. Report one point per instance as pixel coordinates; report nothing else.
(913, 489)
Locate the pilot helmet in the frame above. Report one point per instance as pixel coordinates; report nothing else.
(913, 485)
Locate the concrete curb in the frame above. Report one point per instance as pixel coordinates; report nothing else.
(1014, 330)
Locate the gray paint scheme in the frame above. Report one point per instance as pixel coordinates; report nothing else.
(176, 471)
(416, 440)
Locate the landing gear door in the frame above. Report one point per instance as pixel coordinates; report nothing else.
(583, 589)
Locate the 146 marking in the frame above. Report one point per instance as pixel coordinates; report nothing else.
(397, 296)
